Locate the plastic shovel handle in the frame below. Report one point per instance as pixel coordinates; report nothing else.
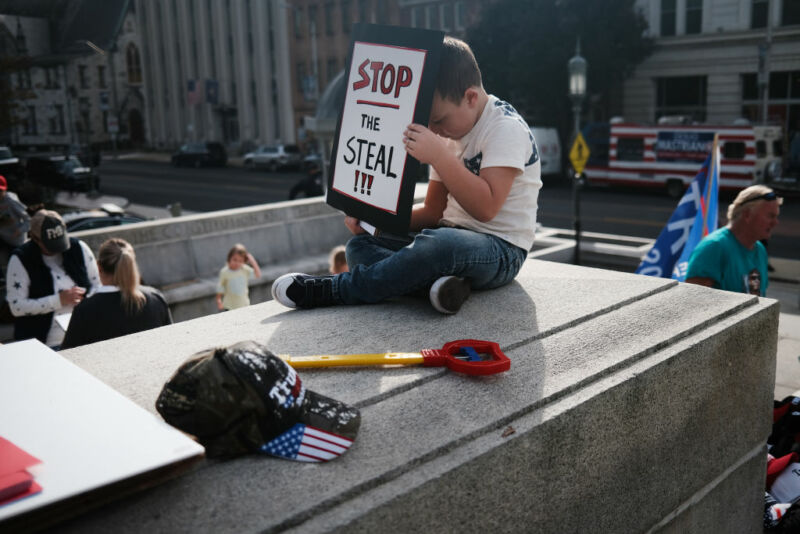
(337, 360)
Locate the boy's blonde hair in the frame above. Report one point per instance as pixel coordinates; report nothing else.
(458, 70)
(237, 250)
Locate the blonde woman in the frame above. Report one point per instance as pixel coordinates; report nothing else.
(120, 306)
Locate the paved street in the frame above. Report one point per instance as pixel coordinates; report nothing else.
(644, 214)
(156, 183)
(614, 211)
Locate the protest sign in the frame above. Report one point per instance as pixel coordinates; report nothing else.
(391, 77)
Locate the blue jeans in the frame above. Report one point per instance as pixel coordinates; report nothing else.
(382, 268)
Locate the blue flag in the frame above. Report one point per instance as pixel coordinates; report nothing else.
(693, 219)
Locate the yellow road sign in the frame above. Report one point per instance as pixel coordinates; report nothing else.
(579, 154)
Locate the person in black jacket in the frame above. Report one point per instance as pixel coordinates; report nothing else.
(120, 306)
(47, 276)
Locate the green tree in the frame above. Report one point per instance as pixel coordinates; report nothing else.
(523, 47)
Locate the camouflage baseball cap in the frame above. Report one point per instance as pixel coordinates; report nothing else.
(244, 399)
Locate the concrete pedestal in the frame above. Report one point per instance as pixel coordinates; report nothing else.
(633, 404)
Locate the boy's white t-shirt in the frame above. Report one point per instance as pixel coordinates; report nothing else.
(500, 138)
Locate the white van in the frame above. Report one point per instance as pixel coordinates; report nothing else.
(549, 150)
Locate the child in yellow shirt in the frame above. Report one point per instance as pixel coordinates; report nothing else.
(232, 288)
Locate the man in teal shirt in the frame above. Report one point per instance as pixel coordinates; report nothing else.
(732, 258)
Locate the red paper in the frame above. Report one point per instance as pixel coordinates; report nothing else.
(35, 488)
(13, 459)
(14, 484)
(15, 481)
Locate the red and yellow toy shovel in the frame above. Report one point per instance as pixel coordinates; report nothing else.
(468, 356)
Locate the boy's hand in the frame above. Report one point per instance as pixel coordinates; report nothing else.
(353, 226)
(423, 144)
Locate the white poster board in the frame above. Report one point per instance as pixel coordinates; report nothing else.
(380, 103)
(86, 434)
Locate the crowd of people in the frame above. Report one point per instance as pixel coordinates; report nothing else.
(60, 294)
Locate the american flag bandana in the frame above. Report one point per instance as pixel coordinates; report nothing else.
(307, 444)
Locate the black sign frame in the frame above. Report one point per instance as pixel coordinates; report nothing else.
(431, 42)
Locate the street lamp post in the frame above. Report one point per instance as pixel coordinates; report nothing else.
(577, 92)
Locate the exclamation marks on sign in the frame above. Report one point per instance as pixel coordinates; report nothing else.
(366, 182)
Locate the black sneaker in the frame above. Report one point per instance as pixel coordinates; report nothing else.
(448, 293)
(298, 290)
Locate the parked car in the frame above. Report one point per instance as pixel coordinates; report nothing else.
(106, 215)
(89, 156)
(200, 155)
(61, 172)
(274, 157)
(10, 167)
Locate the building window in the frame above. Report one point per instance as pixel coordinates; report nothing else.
(24, 79)
(60, 119)
(52, 123)
(329, 18)
(298, 22)
(446, 16)
(416, 17)
(750, 86)
(668, 13)
(459, 16)
(105, 121)
(778, 85)
(301, 75)
(694, 16)
(381, 8)
(431, 16)
(85, 125)
(30, 122)
(312, 20)
(101, 76)
(332, 69)
(134, 64)
(346, 23)
(51, 78)
(82, 78)
(681, 96)
(791, 13)
(363, 11)
(783, 85)
(254, 96)
(758, 13)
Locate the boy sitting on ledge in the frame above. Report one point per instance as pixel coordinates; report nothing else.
(477, 223)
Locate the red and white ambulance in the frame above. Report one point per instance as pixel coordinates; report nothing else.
(670, 155)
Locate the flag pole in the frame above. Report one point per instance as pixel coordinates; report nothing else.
(713, 174)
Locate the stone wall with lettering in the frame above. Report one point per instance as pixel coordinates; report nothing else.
(190, 248)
